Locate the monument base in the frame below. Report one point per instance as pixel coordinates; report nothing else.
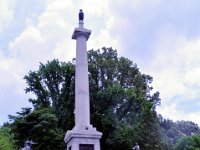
(83, 138)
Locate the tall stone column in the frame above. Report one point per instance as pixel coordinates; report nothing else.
(82, 105)
(83, 136)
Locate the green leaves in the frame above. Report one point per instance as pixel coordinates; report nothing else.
(172, 132)
(49, 83)
(40, 126)
(53, 86)
(188, 143)
(6, 139)
(120, 99)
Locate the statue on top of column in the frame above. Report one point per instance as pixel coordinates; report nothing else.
(81, 15)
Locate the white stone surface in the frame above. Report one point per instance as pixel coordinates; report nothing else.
(83, 132)
(82, 105)
(83, 135)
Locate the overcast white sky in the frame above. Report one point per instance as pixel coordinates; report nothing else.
(161, 36)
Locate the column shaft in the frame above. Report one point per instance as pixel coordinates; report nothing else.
(82, 108)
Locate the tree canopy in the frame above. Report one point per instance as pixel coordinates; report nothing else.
(188, 143)
(6, 139)
(122, 104)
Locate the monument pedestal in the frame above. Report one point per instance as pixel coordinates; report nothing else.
(83, 138)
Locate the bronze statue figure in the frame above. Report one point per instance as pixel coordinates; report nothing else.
(81, 15)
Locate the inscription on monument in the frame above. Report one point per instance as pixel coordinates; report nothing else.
(86, 147)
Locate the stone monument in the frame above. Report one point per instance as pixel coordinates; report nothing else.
(83, 136)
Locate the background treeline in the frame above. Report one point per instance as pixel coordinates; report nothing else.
(123, 108)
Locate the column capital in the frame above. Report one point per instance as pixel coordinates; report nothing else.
(81, 31)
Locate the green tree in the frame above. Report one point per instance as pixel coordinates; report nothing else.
(188, 143)
(148, 133)
(6, 139)
(120, 95)
(120, 98)
(40, 126)
(172, 132)
(188, 128)
(53, 86)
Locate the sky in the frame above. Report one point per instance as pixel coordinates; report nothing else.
(161, 36)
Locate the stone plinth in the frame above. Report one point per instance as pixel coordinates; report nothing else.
(83, 136)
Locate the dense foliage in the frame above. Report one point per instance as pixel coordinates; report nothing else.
(41, 126)
(122, 105)
(188, 143)
(6, 139)
(172, 132)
